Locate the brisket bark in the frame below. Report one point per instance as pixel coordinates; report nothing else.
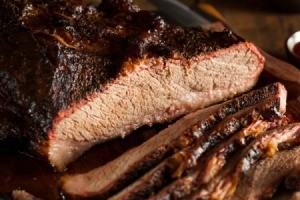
(118, 173)
(264, 146)
(77, 75)
(184, 162)
(212, 163)
(261, 181)
(23, 195)
(292, 181)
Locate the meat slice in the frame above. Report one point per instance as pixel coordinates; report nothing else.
(23, 195)
(111, 177)
(212, 163)
(289, 196)
(261, 180)
(265, 145)
(78, 75)
(292, 181)
(183, 161)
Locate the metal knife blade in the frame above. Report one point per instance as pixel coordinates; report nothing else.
(180, 13)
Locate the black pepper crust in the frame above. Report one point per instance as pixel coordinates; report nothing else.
(55, 53)
(191, 135)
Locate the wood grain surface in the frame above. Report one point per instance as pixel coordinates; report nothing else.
(259, 22)
(253, 20)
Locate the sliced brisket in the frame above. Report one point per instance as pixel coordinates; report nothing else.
(183, 162)
(78, 75)
(212, 163)
(118, 173)
(261, 181)
(264, 146)
(23, 195)
(292, 180)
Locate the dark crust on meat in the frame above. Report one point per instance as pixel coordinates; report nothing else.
(135, 173)
(54, 54)
(221, 153)
(255, 151)
(183, 161)
(193, 133)
(292, 181)
(269, 176)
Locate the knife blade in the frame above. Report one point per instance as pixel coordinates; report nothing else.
(180, 13)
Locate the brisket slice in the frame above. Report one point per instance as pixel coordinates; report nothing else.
(289, 196)
(23, 195)
(261, 181)
(292, 181)
(183, 161)
(264, 146)
(115, 175)
(78, 75)
(213, 162)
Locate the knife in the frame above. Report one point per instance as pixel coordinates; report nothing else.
(184, 16)
(179, 13)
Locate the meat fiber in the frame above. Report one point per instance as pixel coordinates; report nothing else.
(74, 75)
(185, 163)
(118, 173)
(23, 195)
(292, 181)
(265, 145)
(261, 181)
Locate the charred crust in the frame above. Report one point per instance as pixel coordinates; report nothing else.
(186, 161)
(56, 53)
(292, 181)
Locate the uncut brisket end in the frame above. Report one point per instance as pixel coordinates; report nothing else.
(184, 132)
(77, 74)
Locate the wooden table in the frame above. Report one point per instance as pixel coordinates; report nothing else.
(258, 22)
(255, 21)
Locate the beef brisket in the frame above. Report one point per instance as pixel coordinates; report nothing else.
(23, 195)
(77, 75)
(264, 146)
(111, 177)
(261, 181)
(184, 162)
(292, 180)
(212, 163)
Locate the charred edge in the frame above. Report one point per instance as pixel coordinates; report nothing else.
(51, 29)
(180, 163)
(214, 137)
(134, 173)
(150, 186)
(222, 153)
(292, 181)
(268, 110)
(262, 147)
(183, 141)
(234, 106)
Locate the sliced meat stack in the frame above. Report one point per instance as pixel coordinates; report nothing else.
(261, 181)
(202, 155)
(74, 75)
